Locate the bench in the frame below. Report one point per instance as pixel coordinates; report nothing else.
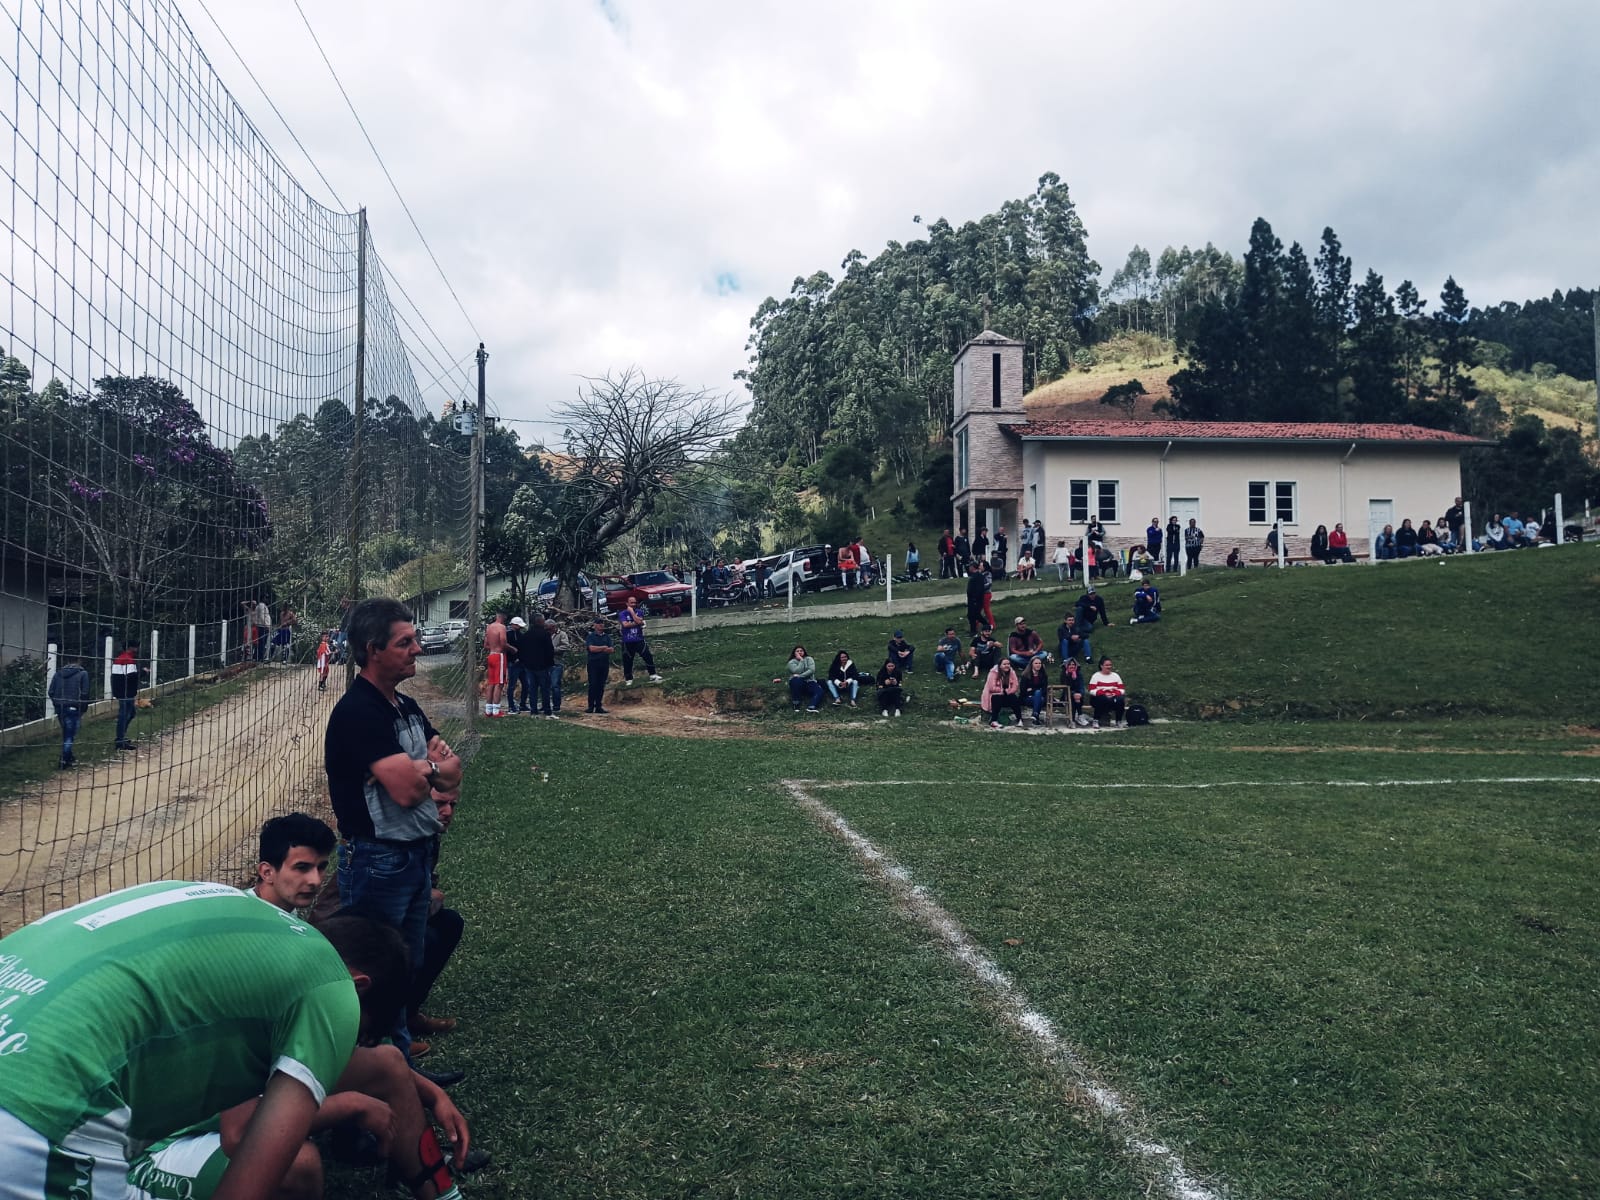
(1288, 560)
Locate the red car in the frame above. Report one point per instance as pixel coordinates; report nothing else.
(656, 592)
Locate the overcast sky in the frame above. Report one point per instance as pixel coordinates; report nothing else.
(622, 182)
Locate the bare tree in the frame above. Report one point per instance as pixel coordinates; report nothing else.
(632, 441)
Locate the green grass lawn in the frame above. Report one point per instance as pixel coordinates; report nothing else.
(1303, 977)
(1508, 636)
(674, 983)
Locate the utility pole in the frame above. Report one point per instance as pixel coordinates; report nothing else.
(1595, 300)
(357, 468)
(475, 580)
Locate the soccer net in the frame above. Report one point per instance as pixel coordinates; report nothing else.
(183, 507)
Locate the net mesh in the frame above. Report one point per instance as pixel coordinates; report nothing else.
(178, 333)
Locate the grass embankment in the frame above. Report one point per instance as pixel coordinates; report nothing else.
(674, 984)
(1483, 636)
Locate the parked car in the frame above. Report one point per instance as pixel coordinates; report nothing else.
(455, 628)
(546, 595)
(435, 639)
(808, 565)
(658, 592)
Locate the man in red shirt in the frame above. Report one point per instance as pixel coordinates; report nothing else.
(125, 672)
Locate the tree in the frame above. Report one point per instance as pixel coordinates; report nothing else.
(633, 442)
(1124, 395)
(512, 545)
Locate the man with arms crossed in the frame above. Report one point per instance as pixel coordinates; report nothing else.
(136, 1015)
(383, 760)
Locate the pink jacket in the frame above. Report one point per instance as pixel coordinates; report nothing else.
(992, 686)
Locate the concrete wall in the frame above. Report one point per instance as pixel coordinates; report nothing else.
(1420, 481)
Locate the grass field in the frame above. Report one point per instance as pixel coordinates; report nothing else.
(1250, 956)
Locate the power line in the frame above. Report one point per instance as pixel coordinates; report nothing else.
(471, 324)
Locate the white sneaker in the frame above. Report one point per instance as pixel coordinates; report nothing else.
(897, 712)
(655, 679)
(994, 724)
(886, 712)
(627, 683)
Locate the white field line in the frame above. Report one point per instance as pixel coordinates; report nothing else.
(1014, 1007)
(1223, 783)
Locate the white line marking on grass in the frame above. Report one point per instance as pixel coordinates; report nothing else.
(1222, 783)
(1013, 1005)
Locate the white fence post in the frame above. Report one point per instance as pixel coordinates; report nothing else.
(792, 569)
(1281, 538)
(155, 657)
(108, 665)
(888, 582)
(190, 675)
(1083, 556)
(50, 665)
(694, 607)
(1183, 569)
(1466, 526)
(1561, 521)
(222, 654)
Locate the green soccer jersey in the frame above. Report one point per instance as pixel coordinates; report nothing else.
(160, 1005)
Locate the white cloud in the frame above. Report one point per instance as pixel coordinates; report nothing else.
(588, 172)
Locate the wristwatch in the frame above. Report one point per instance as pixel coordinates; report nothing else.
(433, 772)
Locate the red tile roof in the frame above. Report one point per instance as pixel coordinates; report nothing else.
(1238, 431)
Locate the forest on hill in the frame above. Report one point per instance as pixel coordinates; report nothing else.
(851, 376)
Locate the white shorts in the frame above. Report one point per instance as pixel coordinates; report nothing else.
(91, 1161)
(180, 1168)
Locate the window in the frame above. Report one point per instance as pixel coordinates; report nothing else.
(996, 402)
(1106, 493)
(1108, 500)
(1272, 501)
(1078, 504)
(961, 460)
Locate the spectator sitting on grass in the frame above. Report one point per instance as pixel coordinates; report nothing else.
(1146, 604)
(1025, 566)
(843, 677)
(902, 652)
(1072, 679)
(1107, 693)
(1025, 644)
(947, 656)
(1001, 689)
(1428, 540)
(1494, 534)
(985, 651)
(1447, 538)
(1089, 606)
(803, 683)
(1035, 686)
(1513, 525)
(1235, 559)
(1072, 638)
(891, 688)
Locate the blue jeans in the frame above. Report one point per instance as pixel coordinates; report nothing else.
(555, 686)
(125, 710)
(1036, 700)
(854, 685)
(808, 690)
(541, 681)
(394, 881)
(70, 718)
(1021, 661)
(946, 663)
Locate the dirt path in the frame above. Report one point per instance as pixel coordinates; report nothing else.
(180, 806)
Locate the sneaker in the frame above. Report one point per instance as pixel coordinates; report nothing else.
(1037, 720)
(836, 703)
(63, 765)
(797, 708)
(886, 712)
(1094, 724)
(602, 712)
(853, 704)
(897, 712)
(627, 683)
(994, 724)
(655, 679)
(812, 709)
(551, 717)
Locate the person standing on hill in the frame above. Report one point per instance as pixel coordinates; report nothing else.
(1194, 541)
(1172, 542)
(977, 596)
(494, 663)
(324, 654)
(980, 545)
(1153, 538)
(947, 556)
(125, 672)
(539, 653)
(599, 646)
(69, 692)
(1456, 518)
(1001, 546)
(963, 550)
(634, 645)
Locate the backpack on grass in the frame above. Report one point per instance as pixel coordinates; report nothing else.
(1137, 715)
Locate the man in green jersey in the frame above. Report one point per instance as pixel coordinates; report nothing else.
(131, 1017)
